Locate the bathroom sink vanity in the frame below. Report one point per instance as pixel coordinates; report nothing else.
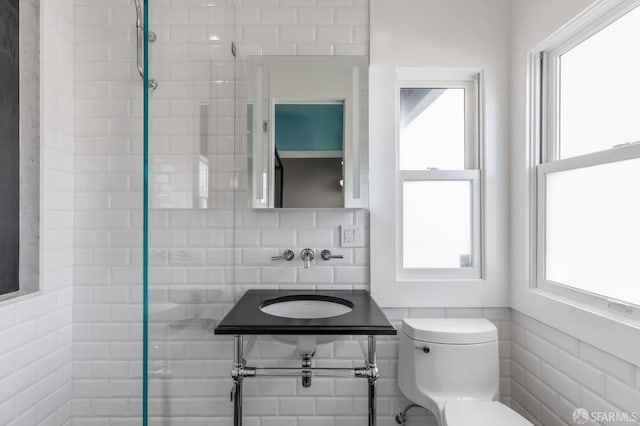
(305, 313)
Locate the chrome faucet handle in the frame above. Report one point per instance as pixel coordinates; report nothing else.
(307, 256)
(326, 255)
(287, 255)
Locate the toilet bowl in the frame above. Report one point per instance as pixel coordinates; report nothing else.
(451, 367)
(481, 413)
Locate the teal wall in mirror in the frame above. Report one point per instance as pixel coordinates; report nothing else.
(309, 127)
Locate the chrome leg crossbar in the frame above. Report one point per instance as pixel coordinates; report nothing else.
(240, 371)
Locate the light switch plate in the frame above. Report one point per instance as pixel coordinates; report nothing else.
(351, 236)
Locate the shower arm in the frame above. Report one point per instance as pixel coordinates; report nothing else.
(153, 83)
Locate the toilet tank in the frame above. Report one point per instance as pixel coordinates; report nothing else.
(448, 359)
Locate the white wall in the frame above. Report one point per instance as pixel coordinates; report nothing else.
(467, 34)
(35, 331)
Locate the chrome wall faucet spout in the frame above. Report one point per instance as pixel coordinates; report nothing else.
(307, 256)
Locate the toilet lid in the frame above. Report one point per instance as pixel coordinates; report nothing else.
(481, 413)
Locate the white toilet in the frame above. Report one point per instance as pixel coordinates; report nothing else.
(450, 367)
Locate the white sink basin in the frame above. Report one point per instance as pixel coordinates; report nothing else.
(306, 307)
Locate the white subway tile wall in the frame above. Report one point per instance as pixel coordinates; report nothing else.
(191, 253)
(553, 373)
(35, 332)
(107, 343)
(92, 241)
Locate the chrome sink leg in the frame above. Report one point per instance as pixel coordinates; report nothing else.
(237, 375)
(372, 366)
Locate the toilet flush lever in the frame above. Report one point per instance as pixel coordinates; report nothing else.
(424, 349)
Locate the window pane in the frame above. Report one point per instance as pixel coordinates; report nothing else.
(437, 224)
(593, 229)
(432, 129)
(600, 89)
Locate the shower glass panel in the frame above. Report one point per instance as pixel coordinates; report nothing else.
(191, 209)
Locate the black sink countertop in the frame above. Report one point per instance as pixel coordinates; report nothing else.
(247, 318)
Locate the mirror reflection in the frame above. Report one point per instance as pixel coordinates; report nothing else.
(309, 141)
(308, 131)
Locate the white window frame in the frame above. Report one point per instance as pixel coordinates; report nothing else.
(544, 95)
(452, 79)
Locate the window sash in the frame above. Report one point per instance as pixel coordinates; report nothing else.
(417, 274)
(471, 148)
(549, 71)
(570, 293)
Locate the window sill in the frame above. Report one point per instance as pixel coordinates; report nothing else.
(18, 296)
(606, 314)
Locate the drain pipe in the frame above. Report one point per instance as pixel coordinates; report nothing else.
(401, 417)
(306, 375)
